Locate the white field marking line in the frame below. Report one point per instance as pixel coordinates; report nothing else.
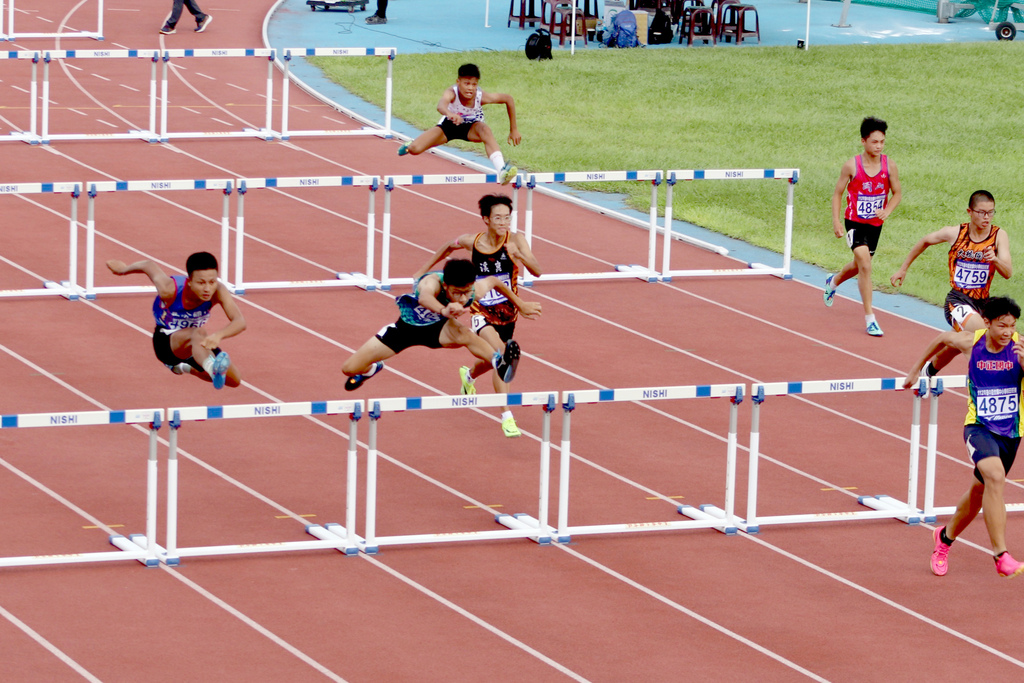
(129, 87)
(475, 619)
(105, 123)
(210, 78)
(253, 624)
(241, 616)
(54, 650)
(102, 78)
(75, 111)
(188, 109)
(78, 68)
(690, 613)
(886, 601)
(20, 88)
(238, 87)
(184, 81)
(220, 121)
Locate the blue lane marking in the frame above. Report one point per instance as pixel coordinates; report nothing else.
(795, 387)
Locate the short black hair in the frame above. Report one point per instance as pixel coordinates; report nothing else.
(870, 124)
(489, 201)
(201, 260)
(469, 71)
(998, 306)
(459, 272)
(980, 196)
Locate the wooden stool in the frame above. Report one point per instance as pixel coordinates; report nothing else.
(525, 15)
(701, 26)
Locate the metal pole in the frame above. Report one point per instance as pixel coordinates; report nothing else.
(666, 243)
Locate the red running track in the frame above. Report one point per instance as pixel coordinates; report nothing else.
(839, 601)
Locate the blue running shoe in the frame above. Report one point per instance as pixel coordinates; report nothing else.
(404, 149)
(830, 291)
(356, 381)
(219, 369)
(874, 330)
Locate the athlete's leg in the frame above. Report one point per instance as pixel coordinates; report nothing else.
(944, 357)
(432, 137)
(862, 259)
(372, 351)
(992, 503)
(454, 334)
(967, 508)
(481, 132)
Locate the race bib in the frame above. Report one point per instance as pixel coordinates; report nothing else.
(970, 275)
(868, 205)
(998, 404)
(494, 297)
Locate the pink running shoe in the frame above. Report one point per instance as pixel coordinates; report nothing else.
(1007, 566)
(940, 564)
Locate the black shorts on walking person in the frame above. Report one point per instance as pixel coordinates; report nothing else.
(858, 234)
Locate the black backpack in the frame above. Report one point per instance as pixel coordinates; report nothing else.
(538, 45)
(661, 29)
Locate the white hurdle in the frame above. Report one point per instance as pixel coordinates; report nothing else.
(142, 548)
(883, 506)
(94, 189)
(290, 53)
(67, 288)
(707, 516)
(330, 536)
(783, 271)
(340, 279)
(519, 525)
(9, 32)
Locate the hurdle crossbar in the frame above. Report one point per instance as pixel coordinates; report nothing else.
(673, 176)
(12, 34)
(706, 516)
(331, 536)
(290, 53)
(339, 279)
(67, 288)
(882, 506)
(142, 548)
(224, 185)
(518, 526)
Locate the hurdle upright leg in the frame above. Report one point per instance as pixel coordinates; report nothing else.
(171, 541)
(225, 229)
(240, 238)
(370, 527)
(929, 463)
(568, 405)
(756, 400)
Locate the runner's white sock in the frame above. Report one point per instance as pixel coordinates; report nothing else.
(868, 319)
(208, 365)
(182, 369)
(498, 160)
(374, 368)
(506, 415)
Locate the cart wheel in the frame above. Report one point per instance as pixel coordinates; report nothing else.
(1006, 31)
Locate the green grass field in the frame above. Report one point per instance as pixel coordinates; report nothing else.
(954, 113)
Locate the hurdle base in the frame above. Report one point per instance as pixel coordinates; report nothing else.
(366, 283)
(64, 288)
(884, 502)
(135, 542)
(708, 512)
(521, 520)
(332, 531)
(641, 272)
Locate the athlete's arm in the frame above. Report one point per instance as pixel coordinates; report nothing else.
(236, 321)
(1001, 255)
(519, 250)
(514, 138)
(446, 250)
(164, 285)
(897, 193)
(430, 287)
(529, 309)
(442, 106)
(946, 234)
(846, 174)
(961, 341)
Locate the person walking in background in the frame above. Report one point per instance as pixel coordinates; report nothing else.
(381, 15)
(202, 19)
(867, 181)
